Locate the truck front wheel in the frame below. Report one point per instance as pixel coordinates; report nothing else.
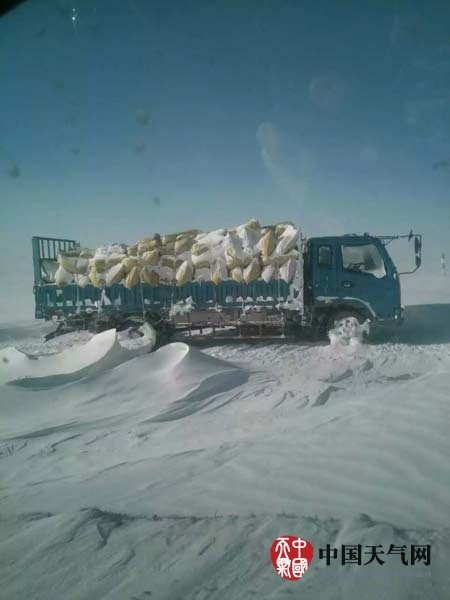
(346, 323)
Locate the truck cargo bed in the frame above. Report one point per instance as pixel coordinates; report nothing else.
(51, 299)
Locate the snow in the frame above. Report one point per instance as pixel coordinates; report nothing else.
(102, 351)
(170, 475)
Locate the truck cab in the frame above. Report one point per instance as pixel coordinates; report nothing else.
(353, 274)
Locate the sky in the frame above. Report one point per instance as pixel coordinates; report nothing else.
(121, 118)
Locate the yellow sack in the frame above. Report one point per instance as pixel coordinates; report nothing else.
(268, 243)
(183, 244)
(132, 250)
(132, 279)
(168, 248)
(82, 280)
(149, 276)
(253, 271)
(114, 274)
(99, 264)
(185, 273)
(129, 263)
(231, 261)
(198, 249)
(151, 257)
(237, 275)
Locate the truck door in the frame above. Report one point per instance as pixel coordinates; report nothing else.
(323, 259)
(364, 273)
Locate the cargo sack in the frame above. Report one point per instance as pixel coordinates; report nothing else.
(130, 262)
(237, 275)
(48, 270)
(188, 233)
(82, 266)
(183, 244)
(132, 250)
(167, 261)
(268, 243)
(68, 261)
(82, 280)
(277, 259)
(166, 275)
(201, 262)
(114, 274)
(97, 278)
(168, 248)
(147, 246)
(287, 271)
(150, 276)
(203, 274)
(198, 249)
(219, 272)
(287, 241)
(133, 278)
(249, 237)
(99, 264)
(185, 273)
(150, 258)
(268, 273)
(253, 224)
(63, 277)
(86, 253)
(253, 271)
(114, 259)
(168, 239)
(280, 228)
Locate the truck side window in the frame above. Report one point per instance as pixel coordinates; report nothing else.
(364, 258)
(325, 256)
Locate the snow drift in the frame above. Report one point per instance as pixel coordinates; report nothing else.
(103, 351)
(170, 475)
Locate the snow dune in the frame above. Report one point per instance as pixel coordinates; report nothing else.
(169, 476)
(103, 351)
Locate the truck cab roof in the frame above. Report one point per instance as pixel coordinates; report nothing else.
(351, 238)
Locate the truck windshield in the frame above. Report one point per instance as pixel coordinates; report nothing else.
(365, 258)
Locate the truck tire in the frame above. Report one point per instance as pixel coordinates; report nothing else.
(341, 315)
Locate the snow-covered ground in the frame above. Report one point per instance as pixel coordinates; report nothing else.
(170, 475)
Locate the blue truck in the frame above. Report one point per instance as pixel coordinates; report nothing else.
(339, 277)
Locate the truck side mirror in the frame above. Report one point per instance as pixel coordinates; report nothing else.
(417, 245)
(418, 261)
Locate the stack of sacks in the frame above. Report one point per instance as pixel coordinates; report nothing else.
(244, 254)
(73, 267)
